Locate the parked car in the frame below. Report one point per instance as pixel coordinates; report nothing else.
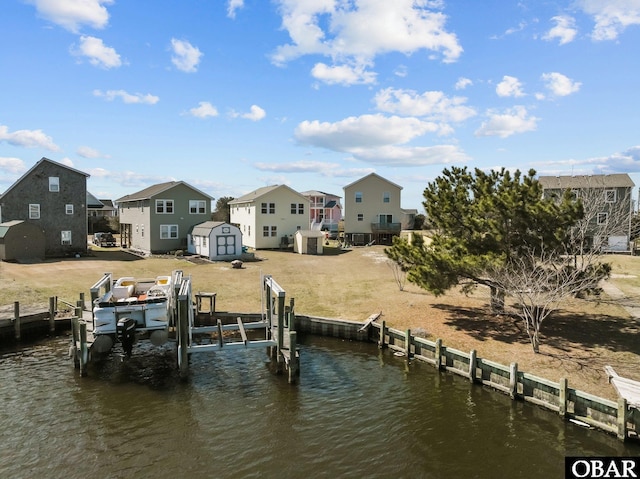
(104, 240)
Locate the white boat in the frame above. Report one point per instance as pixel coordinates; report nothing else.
(131, 308)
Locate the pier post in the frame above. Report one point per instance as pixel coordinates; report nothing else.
(383, 327)
(438, 354)
(84, 349)
(52, 314)
(513, 380)
(292, 315)
(622, 419)
(294, 367)
(16, 319)
(472, 365)
(407, 344)
(183, 335)
(280, 340)
(562, 397)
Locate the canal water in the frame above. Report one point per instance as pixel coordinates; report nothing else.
(356, 412)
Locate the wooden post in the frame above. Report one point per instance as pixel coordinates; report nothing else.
(438, 354)
(294, 367)
(513, 380)
(622, 419)
(84, 349)
(16, 319)
(220, 339)
(280, 340)
(52, 314)
(383, 327)
(82, 302)
(562, 397)
(472, 365)
(75, 333)
(292, 315)
(407, 344)
(183, 336)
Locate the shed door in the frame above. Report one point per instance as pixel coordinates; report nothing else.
(226, 245)
(312, 245)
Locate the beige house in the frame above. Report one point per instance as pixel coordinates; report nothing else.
(372, 210)
(269, 217)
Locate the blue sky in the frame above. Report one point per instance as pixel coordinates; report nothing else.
(233, 95)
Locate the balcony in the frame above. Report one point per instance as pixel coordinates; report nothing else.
(386, 228)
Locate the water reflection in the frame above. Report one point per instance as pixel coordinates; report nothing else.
(357, 412)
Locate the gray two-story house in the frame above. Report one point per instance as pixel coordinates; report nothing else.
(52, 196)
(607, 203)
(157, 219)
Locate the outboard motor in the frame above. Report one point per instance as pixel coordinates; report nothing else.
(126, 331)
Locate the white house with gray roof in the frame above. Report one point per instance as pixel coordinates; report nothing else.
(269, 217)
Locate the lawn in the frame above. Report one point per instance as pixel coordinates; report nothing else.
(576, 342)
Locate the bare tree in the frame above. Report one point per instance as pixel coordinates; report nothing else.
(539, 282)
(399, 273)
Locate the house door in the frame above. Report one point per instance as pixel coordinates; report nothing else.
(226, 245)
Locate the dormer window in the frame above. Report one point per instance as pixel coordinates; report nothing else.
(54, 184)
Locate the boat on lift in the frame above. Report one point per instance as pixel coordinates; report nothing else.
(131, 308)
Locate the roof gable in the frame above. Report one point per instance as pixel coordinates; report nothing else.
(39, 164)
(369, 176)
(262, 192)
(618, 180)
(154, 190)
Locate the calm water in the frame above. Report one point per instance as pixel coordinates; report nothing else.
(355, 413)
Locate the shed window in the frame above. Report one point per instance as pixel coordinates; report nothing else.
(54, 183)
(68, 209)
(34, 211)
(197, 207)
(168, 231)
(65, 237)
(164, 206)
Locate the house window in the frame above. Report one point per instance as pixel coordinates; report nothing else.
(358, 196)
(268, 208)
(360, 217)
(610, 196)
(54, 183)
(602, 218)
(386, 197)
(300, 208)
(142, 231)
(65, 236)
(68, 209)
(164, 206)
(34, 211)
(297, 208)
(269, 231)
(197, 207)
(168, 231)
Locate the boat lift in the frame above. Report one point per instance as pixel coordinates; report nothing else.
(281, 347)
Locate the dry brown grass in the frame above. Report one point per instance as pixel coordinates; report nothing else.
(577, 341)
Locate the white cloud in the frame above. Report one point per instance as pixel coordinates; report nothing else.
(204, 110)
(343, 30)
(97, 52)
(611, 17)
(316, 167)
(12, 166)
(28, 139)
(378, 139)
(564, 29)
(463, 83)
(434, 105)
(88, 152)
(509, 86)
(185, 56)
(627, 161)
(559, 84)
(255, 114)
(72, 14)
(111, 95)
(364, 131)
(343, 74)
(512, 121)
(232, 6)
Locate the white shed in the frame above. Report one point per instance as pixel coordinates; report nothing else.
(308, 242)
(216, 240)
